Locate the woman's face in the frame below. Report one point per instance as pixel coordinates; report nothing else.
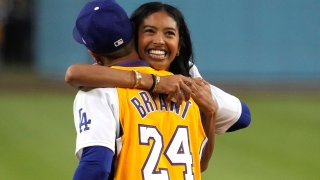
(158, 40)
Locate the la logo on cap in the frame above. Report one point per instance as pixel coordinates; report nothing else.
(118, 42)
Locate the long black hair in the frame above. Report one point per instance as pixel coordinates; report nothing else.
(181, 64)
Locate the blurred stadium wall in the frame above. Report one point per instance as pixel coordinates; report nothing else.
(234, 40)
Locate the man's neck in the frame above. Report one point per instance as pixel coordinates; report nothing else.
(130, 57)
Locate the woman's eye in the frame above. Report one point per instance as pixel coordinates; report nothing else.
(170, 33)
(148, 30)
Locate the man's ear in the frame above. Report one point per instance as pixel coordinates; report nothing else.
(96, 57)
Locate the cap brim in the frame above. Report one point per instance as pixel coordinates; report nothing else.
(77, 36)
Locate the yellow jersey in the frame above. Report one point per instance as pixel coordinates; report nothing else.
(160, 140)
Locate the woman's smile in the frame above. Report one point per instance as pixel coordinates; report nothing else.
(158, 40)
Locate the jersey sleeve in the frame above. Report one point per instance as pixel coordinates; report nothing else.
(194, 72)
(96, 118)
(228, 109)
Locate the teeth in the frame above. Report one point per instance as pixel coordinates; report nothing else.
(157, 52)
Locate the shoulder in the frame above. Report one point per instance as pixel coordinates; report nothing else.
(97, 92)
(194, 72)
(97, 95)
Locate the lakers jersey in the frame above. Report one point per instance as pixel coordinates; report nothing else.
(161, 140)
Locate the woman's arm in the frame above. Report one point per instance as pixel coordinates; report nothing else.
(208, 123)
(200, 93)
(232, 114)
(86, 75)
(79, 75)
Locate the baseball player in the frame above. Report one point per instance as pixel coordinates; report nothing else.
(152, 138)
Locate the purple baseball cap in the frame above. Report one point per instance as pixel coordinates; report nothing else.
(103, 26)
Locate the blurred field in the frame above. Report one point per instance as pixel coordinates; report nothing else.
(281, 143)
(38, 138)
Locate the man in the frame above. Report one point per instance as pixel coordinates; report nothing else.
(156, 139)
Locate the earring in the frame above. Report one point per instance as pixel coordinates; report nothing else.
(178, 53)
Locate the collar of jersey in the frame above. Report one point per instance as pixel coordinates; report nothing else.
(132, 63)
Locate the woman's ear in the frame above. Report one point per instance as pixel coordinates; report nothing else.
(96, 57)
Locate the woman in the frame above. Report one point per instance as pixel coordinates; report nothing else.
(231, 113)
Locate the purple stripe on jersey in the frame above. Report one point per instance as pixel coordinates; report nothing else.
(132, 63)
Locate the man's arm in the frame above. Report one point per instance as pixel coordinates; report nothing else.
(95, 163)
(232, 113)
(96, 123)
(244, 120)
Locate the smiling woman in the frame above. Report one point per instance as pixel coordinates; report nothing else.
(158, 39)
(155, 18)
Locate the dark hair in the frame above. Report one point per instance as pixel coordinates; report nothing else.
(180, 65)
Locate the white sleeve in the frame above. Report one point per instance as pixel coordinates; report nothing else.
(96, 118)
(194, 72)
(229, 106)
(228, 109)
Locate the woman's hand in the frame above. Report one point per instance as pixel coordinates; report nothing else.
(176, 87)
(201, 94)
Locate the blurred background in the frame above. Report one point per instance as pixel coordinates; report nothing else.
(267, 53)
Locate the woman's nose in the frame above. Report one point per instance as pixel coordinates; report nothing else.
(158, 39)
